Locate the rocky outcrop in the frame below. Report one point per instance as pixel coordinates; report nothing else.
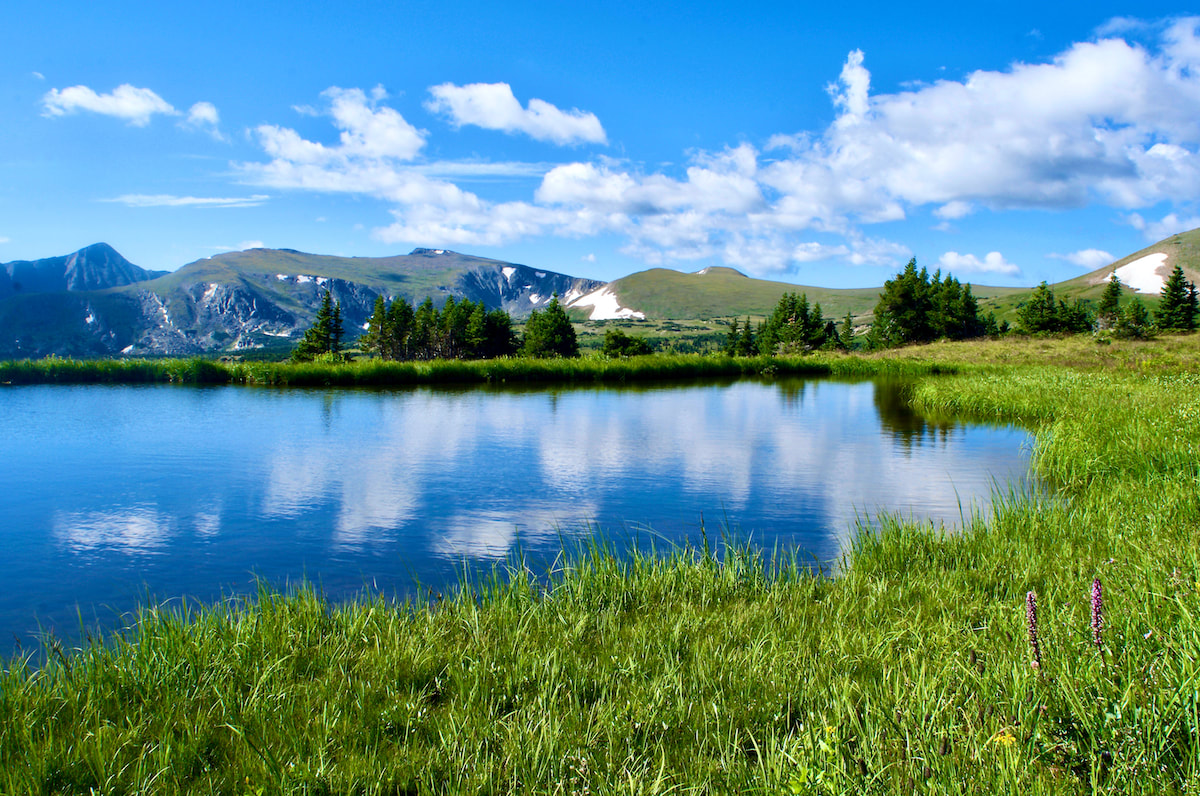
(519, 289)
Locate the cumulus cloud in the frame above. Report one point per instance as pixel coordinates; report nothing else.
(1091, 259)
(168, 200)
(1105, 120)
(1108, 121)
(135, 105)
(992, 263)
(493, 106)
(204, 116)
(953, 210)
(1165, 227)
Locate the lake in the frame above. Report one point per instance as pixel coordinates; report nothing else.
(116, 495)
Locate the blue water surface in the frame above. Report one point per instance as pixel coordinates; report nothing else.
(113, 496)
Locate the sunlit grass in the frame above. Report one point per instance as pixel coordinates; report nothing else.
(699, 672)
(377, 373)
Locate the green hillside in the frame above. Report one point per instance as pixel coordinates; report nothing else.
(717, 292)
(1182, 249)
(723, 292)
(413, 274)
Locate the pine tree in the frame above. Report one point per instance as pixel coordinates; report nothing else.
(549, 333)
(1135, 320)
(1175, 310)
(904, 312)
(371, 341)
(397, 334)
(316, 341)
(846, 336)
(731, 339)
(745, 344)
(336, 330)
(1039, 312)
(966, 318)
(1109, 312)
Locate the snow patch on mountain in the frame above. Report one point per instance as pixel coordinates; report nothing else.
(1142, 274)
(605, 306)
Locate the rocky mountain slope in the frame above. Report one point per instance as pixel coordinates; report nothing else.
(260, 298)
(96, 303)
(94, 267)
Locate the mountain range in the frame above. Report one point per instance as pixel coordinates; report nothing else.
(94, 302)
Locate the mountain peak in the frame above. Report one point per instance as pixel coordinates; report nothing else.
(100, 249)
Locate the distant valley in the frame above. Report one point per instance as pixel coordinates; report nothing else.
(94, 302)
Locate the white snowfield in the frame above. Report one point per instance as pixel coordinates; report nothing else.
(1142, 274)
(302, 279)
(508, 272)
(605, 306)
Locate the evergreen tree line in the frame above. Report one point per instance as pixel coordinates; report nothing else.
(917, 308)
(459, 330)
(1041, 313)
(1177, 310)
(463, 329)
(794, 326)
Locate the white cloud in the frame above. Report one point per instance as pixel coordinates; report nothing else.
(493, 106)
(167, 200)
(1165, 227)
(38, 75)
(1104, 122)
(204, 116)
(481, 170)
(369, 135)
(240, 247)
(5, 240)
(587, 258)
(992, 263)
(953, 210)
(1091, 259)
(1119, 26)
(134, 105)
(852, 93)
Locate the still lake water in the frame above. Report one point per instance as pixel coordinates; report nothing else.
(114, 495)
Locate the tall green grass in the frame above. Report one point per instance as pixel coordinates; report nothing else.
(377, 373)
(700, 672)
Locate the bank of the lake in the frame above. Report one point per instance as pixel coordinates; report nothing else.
(910, 670)
(516, 370)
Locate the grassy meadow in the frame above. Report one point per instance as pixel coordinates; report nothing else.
(907, 669)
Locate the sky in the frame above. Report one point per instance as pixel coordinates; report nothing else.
(819, 144)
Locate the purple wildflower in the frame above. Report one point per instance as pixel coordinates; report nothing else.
(1031, 621)
(1097, 614)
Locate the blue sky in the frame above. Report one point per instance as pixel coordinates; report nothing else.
(824, 144)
